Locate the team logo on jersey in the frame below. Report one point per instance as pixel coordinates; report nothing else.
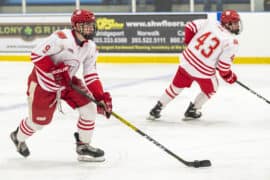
(46, 48)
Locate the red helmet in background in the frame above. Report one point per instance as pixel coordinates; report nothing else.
(83, 16)
(229, 17)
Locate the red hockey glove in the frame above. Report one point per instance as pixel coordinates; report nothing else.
(105, 105)
(61, 75)
(228, 76)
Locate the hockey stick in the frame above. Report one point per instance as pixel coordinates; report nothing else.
(196, 163)
(253, 92)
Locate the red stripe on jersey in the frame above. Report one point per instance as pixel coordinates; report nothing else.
(90, 78)
(223, 63)
(200, 61)
(47, 81)
(194, 25)
(223, 66)
(35, 57)
(90, 75)
(45, 77)
(196, 65)
(45, 63)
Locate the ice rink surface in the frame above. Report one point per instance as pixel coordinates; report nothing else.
(234, 132)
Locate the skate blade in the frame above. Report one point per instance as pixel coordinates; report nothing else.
(84, 158)
(152, 118)
(189, 119)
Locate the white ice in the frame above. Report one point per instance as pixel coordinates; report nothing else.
(234, 132)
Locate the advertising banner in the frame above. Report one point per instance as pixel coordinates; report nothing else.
(117, 33)
(23, 37)
(149, 33)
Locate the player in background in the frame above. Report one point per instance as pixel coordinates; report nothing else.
(211, 47)
(56, 61)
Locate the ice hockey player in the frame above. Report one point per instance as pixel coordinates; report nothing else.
(56, 61)
(211, 47)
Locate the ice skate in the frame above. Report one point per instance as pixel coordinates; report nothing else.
(191, 113)
(155, 112)
(21, 146)
(88, 153)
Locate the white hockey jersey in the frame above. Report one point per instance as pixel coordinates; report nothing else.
(211, 47)
(62, 47)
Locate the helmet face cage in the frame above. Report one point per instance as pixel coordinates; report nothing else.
(81, 20)
(81, 28)
(230, 19)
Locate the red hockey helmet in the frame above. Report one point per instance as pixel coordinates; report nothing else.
(228, 17)
(82, 16)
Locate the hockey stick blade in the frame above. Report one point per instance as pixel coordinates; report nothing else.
(197, 164)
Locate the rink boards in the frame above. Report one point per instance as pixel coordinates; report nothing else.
(142, 58)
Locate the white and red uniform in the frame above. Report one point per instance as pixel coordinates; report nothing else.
(209, 47)
(43, 91)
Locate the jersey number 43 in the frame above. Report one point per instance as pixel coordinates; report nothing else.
(211, 43)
